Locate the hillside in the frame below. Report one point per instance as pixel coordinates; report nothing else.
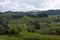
(49, 22)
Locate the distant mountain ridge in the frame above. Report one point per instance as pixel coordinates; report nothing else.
(49, 12)
(53, 12)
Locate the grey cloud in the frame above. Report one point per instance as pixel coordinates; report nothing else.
(24, 5)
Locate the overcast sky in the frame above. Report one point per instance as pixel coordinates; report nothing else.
(26, 5)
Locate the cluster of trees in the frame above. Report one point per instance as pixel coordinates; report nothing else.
(4, 22)
(57, 19)
(16, 16)
(5, 29)
(38, 15)
(33, 25)
(55, 31)
(44, 29)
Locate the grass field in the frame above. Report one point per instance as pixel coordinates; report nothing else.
(30, 36)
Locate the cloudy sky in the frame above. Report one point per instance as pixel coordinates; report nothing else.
(26, 5)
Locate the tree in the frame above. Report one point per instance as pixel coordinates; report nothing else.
(58, 31)
(37, 25)
(31, 27)
(42, 15)
(16, 29)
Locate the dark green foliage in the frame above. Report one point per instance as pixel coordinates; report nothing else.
(1, 21)
(16, 16)
(38, 15)
(57, 19)
(4, 29)
(53, 12)
(31, 38)
(58, 31)
(55, 31)
(37, 25)
(1, 29)
(31, 15)
(30, 23)
(42, 15)
(31, 27)
(4, 23)
(34, 22)
(16, 29)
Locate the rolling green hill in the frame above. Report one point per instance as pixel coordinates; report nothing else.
(24, 35)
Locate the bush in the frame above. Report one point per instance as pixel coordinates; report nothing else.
(37, 25)
(55, 31)
(30, 30)
(58, 31)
